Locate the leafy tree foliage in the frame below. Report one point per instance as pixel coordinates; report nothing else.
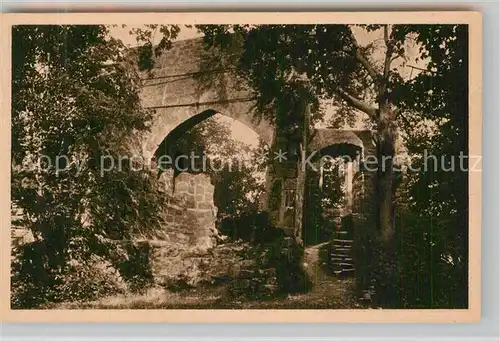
(75, 105)
(74, 95)
(432, 216)
(145, 37)
(291, 67)
(287, 65)
(436, 213)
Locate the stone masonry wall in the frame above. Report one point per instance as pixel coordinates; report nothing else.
(189, 232)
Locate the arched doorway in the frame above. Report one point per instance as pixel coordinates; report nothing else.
(329, 195)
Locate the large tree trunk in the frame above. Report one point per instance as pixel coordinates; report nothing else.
(385, 189)
(384, 211)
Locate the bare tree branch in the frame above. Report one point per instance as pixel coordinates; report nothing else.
(388, 53)
(357, 103)
(374, 74)
(396, 57)
(387, 66)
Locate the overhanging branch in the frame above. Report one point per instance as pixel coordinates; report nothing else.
(358, 104)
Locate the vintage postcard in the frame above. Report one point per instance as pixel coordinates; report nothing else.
(241, 167)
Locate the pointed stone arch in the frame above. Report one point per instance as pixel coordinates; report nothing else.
(171, 123)
(181, 90)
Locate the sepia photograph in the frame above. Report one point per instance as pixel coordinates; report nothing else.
(207, 165)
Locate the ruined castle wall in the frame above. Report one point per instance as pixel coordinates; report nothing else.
(189, 230)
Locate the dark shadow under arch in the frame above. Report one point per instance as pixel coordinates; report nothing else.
(336, 143)
(335, 150)
(177, 132)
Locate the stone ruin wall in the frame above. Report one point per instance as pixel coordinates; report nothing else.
(191, 212)
(177, 250)
(183, 252)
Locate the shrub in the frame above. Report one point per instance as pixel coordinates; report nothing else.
(271, 248)
(375, 261)
(134, 266)
(252, 226)
(432, 270)
(420, 270)
(34, 284)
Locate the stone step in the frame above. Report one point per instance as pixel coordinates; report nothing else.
(350, 270)
(343, 241)
(342, 259)
(333, 255)
(337, 247)
(343, 264)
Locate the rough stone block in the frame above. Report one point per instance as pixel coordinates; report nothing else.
(181, 187)
(200, 190)
(188, 201)
(183, 178)
(204, 205)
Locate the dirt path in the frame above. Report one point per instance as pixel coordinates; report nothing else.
(328, 292)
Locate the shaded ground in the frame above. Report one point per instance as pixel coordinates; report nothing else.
(328, 292)
(331, 294)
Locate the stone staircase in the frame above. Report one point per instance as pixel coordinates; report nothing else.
(341, 260)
